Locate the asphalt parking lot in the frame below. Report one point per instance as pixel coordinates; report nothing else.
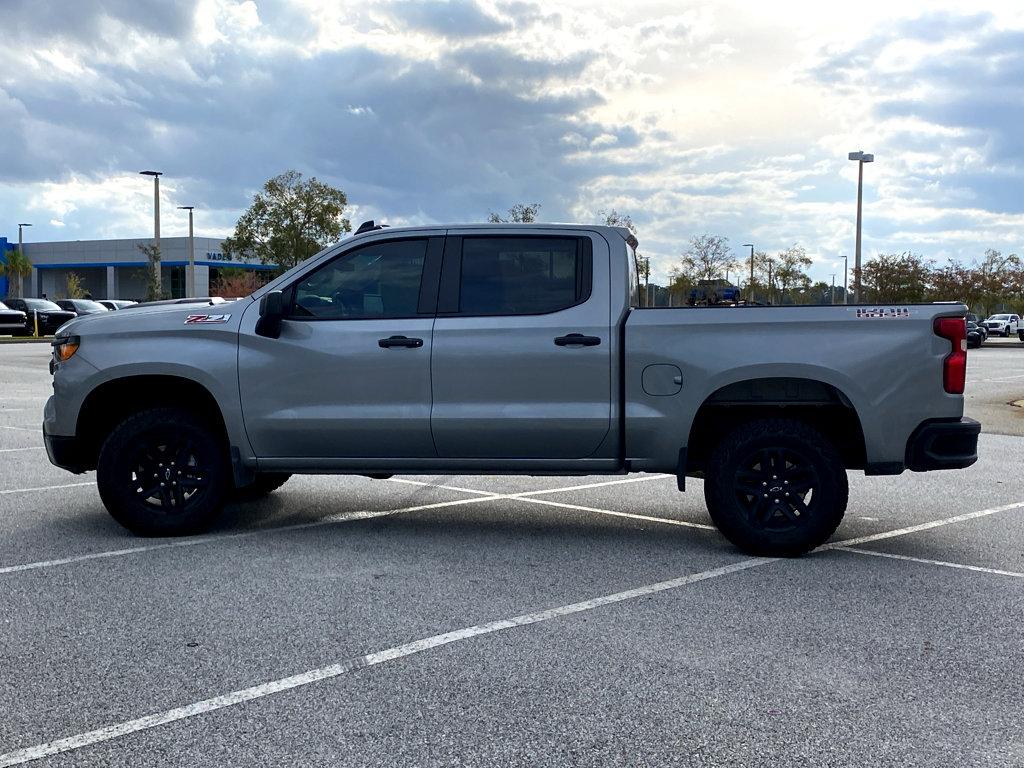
(510, 621)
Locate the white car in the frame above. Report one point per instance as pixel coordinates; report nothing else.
(1003, 324)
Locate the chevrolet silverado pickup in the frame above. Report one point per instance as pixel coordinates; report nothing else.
(505, 349)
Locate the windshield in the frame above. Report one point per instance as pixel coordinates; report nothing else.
(1000, 317)
(41, 305)
(88, 305)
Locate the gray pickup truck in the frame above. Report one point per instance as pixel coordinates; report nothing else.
(505, 349)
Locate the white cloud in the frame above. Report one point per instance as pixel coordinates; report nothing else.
(691, 117)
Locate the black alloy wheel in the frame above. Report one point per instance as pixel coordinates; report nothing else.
(163, 472)
(167, 473)
(776, 487)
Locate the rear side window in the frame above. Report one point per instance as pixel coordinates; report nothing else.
(524, 275)
(379, 280)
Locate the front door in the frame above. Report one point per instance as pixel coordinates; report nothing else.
(521, 365)
(350, 374)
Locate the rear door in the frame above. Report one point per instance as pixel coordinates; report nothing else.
(350, 374)
(521, 364)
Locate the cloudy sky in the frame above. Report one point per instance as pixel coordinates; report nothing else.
(724, 117)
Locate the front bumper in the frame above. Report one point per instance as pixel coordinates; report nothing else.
(65, 452)
(943, 445)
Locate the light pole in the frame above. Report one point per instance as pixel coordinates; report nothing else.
(156, 222)
(769, 281)
(750, 298)
(846, 293)
(861, 158)
(833, 288)
(21, 252)
(190, 276)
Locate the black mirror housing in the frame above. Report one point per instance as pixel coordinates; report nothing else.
(271, 315)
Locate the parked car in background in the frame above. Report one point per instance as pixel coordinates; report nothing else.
(1003, 324)
(11, 321)
(81, 306)
(974, 334)
(976, 320)
(50, 316)
(116, 304)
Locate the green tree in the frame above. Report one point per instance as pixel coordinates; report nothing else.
(17, 268)
(708, 257)
(790, 270)
(902, 277)
(74, 286)
(289, 221)
(520, 213)
(997, 278)
(614, 219)
(154, 287)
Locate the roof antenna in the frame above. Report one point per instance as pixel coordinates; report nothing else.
(368, 226)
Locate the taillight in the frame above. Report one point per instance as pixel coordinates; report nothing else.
(954, 365)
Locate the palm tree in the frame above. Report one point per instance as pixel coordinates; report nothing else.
(17, 267)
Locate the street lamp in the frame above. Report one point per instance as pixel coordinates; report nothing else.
(846, 294)
(190, 276)
(861, 158)
(156, 220)
(21, 252)
(750, 298)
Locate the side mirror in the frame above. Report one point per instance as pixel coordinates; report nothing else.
(271, 315)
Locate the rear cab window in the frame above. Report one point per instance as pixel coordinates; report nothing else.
(516, 275)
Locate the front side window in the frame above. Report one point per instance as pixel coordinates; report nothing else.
(378, 280)
(523, 276)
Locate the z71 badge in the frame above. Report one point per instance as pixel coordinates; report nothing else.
(883, 312)
(207, 319)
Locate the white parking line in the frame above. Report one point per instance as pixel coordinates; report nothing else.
(924, 526)
(66, 744)
(23, 429)
(617, 514)
(121, 729)
(47, 488)
(929, 561)
(24, 448)
(341, 518)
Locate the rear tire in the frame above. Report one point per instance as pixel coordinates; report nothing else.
(264, 484)
(162, 473)
(776, 487)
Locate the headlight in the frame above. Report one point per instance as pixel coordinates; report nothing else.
(64, 347)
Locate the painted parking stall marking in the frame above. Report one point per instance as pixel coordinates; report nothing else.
(259, 691)
(483, 496)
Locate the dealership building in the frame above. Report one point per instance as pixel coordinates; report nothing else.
(116, 269)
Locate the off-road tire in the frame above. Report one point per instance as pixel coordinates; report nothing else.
(163, 472)
(264, 484)
(746, 481)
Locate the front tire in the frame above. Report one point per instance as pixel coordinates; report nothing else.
(162, 473)
(776, 487)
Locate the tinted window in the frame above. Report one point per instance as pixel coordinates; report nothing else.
(87, 305)
(379, 280)
(42, 305)
(522, 276)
